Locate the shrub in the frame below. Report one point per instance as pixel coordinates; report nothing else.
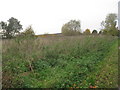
(87, 32)
(94, 32)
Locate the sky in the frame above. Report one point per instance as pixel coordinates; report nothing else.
(48, 16)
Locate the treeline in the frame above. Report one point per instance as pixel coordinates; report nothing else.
(12, 28)
(109, 27)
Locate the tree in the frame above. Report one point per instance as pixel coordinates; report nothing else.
(73, 27)
(94, 32)
(102, 24)
(100, 32)
(11, 28)
(27, 35)
(109, 25)
(87, 32)
(3, 27)
(28, 31)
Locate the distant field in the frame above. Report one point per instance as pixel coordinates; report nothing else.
(61, 62)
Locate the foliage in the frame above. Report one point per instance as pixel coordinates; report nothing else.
(109, 25)
(94, 32)
(11, 28)
(87, 32)
(60, 62)
(100, 32)
(28, 31)
(73, 27)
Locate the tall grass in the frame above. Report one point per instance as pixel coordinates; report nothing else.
(53, 61)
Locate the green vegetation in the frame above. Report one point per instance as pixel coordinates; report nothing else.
(70, 59)
(109, 26)
(28, 32)
(94, 32)
(61, 62)
(87, 32)
(10, 28)
(73, 27)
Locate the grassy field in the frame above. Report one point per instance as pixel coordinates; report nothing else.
(61, 62)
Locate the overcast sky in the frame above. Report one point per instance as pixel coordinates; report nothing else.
(48, 16)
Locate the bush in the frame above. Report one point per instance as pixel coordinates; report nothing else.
(87, 32)
(94, 32)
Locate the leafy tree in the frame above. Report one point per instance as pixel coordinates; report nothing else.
(100, 32)
(94, 32)
(27, 35)
(28, 31)
(102, 25)
(105, 32)
(73, 27)
(109, 25)
(3, 27)
(87, 32)
(11, 28)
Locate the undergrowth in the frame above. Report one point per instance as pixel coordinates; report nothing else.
(57, 62)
